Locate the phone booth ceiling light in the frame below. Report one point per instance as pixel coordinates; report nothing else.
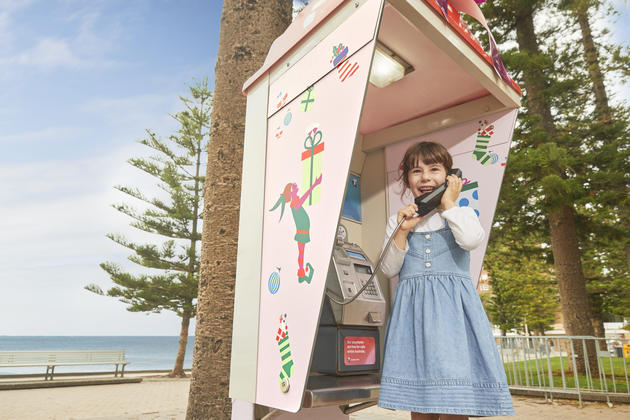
(387, 67)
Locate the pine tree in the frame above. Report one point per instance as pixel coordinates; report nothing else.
(172, 279)
(545, 187)
(523, 287)
(605, 209)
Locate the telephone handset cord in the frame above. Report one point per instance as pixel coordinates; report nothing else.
(329, 292)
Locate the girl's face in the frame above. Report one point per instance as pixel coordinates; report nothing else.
(425, 178)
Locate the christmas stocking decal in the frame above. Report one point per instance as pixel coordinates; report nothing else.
(481, 146)
(282, 338)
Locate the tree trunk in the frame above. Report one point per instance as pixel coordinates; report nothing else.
(576, 309)
(592, 61)
(178, 369)
(564, 240)
(247, 29)
(533, 76)
(599, 329)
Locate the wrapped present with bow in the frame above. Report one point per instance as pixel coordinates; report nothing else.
(312, 163)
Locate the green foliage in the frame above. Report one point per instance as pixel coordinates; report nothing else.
(170, 283)
(523, 288)
(582, 160)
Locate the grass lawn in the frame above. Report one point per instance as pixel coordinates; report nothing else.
(539, 375)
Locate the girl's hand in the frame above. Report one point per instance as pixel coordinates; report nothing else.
(451, 193)
(409, 213)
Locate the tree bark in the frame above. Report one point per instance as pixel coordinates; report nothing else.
(564, 239)
(533, 76)
(591, 56)
(178, 369)
(571, 283)
(247, 29)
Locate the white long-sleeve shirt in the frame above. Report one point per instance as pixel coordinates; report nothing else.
(463, 222)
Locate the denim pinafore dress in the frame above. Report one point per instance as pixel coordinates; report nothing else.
(440, 355)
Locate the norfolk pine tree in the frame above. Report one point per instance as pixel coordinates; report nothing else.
(170, 283)
(544, 153)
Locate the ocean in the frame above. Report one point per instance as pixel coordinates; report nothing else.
(142, 352)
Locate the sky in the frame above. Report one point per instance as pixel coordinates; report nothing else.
(80, 81)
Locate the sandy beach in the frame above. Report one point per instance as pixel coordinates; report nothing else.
(160, 398)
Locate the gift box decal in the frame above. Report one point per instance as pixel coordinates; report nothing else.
(312, 163)
(307, 100)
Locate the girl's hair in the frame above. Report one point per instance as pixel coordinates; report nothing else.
(426, 151)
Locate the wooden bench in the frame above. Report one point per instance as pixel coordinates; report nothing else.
(53, 358)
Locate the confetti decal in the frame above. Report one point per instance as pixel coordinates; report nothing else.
(285, 123)
(281, 99)
(282, 338)
(274, 282)
(469, 196)
(308, 99)
(279, 132)
(345, 68)
(481, 155)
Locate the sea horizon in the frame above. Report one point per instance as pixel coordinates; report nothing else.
(143, 352)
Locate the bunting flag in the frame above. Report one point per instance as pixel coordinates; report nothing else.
(471, 8)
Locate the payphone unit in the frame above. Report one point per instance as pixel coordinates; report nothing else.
(348, 337)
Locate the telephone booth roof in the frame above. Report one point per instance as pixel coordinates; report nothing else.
(396, 33)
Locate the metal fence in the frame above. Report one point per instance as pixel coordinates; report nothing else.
(582, 366)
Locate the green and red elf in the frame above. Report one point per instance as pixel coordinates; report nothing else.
(302, 223)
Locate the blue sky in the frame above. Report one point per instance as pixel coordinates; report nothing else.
(80, 81)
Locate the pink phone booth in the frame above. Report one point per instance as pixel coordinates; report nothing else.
(341, 95)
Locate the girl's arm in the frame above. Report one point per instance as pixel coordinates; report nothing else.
(308, 192)
(465, 225)
(393, 259)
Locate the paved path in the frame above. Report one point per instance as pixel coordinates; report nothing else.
(158, 398)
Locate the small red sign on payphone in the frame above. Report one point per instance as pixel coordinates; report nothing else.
(359, 351)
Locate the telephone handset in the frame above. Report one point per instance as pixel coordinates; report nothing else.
(426, 203)
(429, 201)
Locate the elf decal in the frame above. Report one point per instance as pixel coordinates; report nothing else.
(302, 224)
(286, 361)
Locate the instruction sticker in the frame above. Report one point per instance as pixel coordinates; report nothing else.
(359, 351)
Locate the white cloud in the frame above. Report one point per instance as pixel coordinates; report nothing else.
(44, 134)
(55, 216)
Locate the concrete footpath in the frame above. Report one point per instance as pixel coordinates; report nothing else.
(161, 398)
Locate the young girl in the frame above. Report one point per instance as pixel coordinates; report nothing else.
(440, 359)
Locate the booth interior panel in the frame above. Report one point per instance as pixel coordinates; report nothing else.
(480, 149)
(436, 83)
(244, 357)
(473, 110)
